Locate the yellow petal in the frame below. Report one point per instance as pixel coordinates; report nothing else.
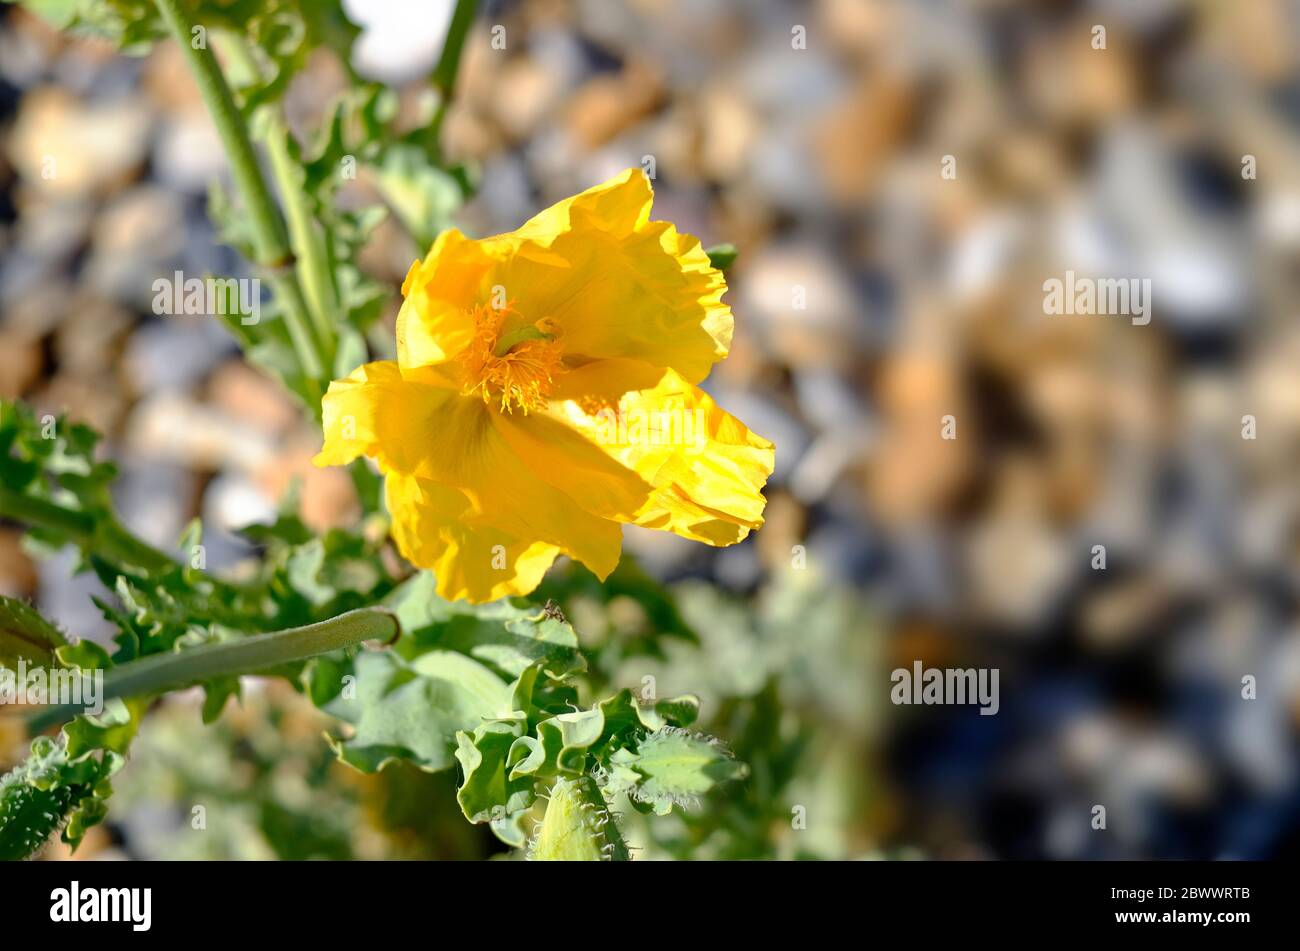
(618, 206)
(507, 493)
(706, 467)
(566, 459)
(474, 563)
(473, 493)
(376, 412)
(628, 286)
(613, 282)
(435, 321)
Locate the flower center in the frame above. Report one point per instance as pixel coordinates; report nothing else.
(510, 361)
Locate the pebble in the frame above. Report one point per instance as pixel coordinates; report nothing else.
(170, 427)
(175, 352)
(801, 303)
(136, 242)
(65, 147)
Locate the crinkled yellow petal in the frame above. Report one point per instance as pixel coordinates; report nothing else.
(628, 287)
(568, 460)
(610, 280)
(706, 467)
(376, 412)
(507, 493)
(476, 493)
(475, 563)
(618, 207)
(435, 321)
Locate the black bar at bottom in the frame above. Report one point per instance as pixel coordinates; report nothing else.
(1219, 901)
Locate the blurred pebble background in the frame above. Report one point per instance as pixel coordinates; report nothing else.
(873, 297)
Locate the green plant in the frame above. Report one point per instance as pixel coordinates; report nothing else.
(501, 691)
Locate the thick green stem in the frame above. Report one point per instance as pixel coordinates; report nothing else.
(103, 534)
(305, 238)
(444, 74)
(271, 242)
(249, 655)
(121, 546)
(40, 513)
(308, 242)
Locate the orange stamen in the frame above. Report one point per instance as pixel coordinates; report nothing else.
(523, 375)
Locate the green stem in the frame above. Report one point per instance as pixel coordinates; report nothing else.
(41, 513)
(444, 74)
(121, 546)
(270, 241)
(103, 534)
(305, 239)
(443, 78)
(249, 655)
(308, 242)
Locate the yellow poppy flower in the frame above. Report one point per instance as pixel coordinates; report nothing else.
(545, 392)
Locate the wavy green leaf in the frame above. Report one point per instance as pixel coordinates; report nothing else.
(412, 709)
(25, 635)
(673, 767)
(509, 639)
(487, 794)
